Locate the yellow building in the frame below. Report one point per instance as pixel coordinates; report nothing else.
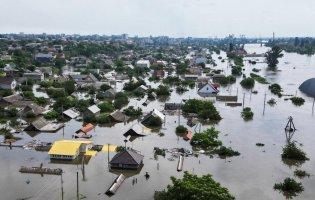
(68, 149)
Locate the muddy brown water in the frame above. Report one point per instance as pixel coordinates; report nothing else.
(249, 176)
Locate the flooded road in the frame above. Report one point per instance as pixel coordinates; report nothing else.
(250, 176)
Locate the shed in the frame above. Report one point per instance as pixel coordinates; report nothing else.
(87, 128)
(119, 116)
(127, 159)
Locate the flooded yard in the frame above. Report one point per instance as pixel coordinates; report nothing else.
(248, 176)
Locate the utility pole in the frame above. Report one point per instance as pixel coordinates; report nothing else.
(243, 100)
(264, 104)
(61, 187)
(77, 185)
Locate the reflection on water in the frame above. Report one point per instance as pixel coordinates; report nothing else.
(248, 176)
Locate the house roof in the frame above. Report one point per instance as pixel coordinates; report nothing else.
(71, 113)
(94, 109)
(127, 157)
(37, 110)
(157, 113)
(137, 130)
(40, 123)
(6, 80)
(13, 98)
(88, 127)
(208, 84)
(119, 116)
(67, 147)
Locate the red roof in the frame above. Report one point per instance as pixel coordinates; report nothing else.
(88, 127)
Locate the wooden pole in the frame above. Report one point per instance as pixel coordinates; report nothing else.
(244, 100)
(77, 185)
(61, 187)
(264, 104)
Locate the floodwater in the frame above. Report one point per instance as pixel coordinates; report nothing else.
(250, 176)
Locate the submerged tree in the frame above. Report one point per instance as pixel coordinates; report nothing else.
(272, 57)
(194, 188)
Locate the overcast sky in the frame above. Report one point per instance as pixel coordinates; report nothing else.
(178, 18)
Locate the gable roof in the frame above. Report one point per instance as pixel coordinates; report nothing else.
(39, 123)
(6, 80)
(208, 84)
(71, 113)
(13, 98)
(137, 130)
(94, 109)
(127, 157)
(119, 116)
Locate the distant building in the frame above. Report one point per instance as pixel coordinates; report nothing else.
(143, 63)
(158, 73)
(127, 159)
(68, 149)
(37, 75)
(7, 83)
(44, 57)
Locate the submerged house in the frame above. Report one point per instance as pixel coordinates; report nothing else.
(71, 113)
(7, 83)
(13, 99)
(127, 159)
(68, 149)
(42, 124)
(119, 116)
(172, 106)
(32, 109)
(153, 113)
(93, 111)
(137, 130)
(208, 88)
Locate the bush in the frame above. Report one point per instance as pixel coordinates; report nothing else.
(258, 78)
(206, 139)
(121, 99)
(227, 80)
(276, 89)
(103, 119)
(120, 149)
(204, 109)
(106, 106)
(236, 70)
(193, 187)
(226, 152)
(247, 114)
(181, 130)
(291, 151)
(272, 102)
(248, 83)
(301, 173)
(40, 101)
(132, 112)
(153, 121)
(289, 186)
(163, 90)
(105, 87)
(51, 115)
(298, 101)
